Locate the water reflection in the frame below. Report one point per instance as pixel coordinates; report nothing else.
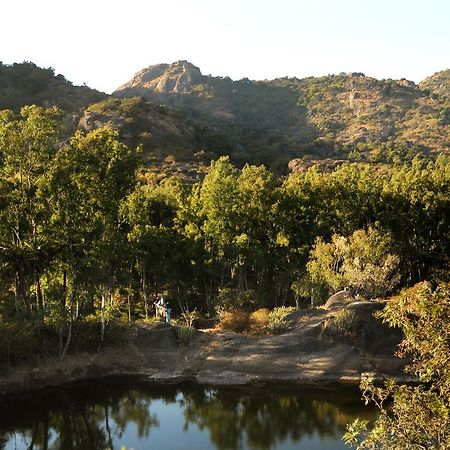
(114, 415)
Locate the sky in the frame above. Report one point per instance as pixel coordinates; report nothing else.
(103, 43)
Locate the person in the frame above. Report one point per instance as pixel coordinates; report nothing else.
(160, 306)
(168, 312)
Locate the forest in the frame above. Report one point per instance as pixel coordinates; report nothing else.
(89, 238)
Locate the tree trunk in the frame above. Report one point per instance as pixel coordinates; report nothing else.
(102, 317)
(69, 332)
(21, 289)
(39, 296)
(144, 290)
(63, 313)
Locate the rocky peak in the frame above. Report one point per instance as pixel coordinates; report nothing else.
(177, 77)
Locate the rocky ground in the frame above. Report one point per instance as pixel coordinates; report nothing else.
(313, 350)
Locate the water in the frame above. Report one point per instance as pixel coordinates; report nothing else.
(129, 416)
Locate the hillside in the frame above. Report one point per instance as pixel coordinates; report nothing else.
(183, 119)
(349, 116)
(26, 84)
(168, 140)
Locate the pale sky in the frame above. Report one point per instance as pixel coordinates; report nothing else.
(104, 42)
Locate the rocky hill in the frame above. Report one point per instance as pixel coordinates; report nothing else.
(438, 85)
(170, 142)
(183, 118)
(347, 116)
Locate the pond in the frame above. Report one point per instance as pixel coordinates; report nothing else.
(124, 415)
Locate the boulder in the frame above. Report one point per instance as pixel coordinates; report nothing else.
(339, 300)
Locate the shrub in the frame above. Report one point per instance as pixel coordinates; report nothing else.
(277, 323)
(17, 341)
(189, 317)
(277, 326)
(347, 322)
(233, 300)
(237, 321)
(281, 312)
(185, 334)
(260, 317)
(150, 319)
(86, 333)
(362, 261)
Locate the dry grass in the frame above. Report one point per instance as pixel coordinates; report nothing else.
(260, 317)
(237, 321)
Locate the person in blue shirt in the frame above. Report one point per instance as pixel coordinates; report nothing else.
(168, 312)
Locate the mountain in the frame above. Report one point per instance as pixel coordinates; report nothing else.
(178, 77)
(168, 139)
(349, 116)
(183, 119)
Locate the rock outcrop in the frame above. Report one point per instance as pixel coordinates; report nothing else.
(176, 78)
(314, 350)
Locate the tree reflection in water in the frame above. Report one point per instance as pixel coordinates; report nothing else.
(98, 417)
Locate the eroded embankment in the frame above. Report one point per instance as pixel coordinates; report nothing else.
(312, 351)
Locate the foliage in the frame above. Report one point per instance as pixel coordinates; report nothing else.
(83, 232)
(185, 334)
(189, 317)
(347, 321)
(237, 321)
(260, 317)
(26, 84)
(362, 262)
(277, 323)
(419, 416)
(229, 300)
(18, 341)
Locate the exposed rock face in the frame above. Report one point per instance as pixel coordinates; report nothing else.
(303, 164)
(314, 350)
(177, 78)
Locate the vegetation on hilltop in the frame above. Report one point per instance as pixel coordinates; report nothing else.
(192, 119)
(27, 84)
(346, 116)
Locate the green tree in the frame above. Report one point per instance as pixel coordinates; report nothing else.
(28, 144)
(413, 417)
(363, 262)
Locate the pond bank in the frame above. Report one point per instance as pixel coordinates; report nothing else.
(310, 352)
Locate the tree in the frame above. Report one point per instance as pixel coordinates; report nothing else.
(28, 144)
(413, 417)
(85, 186)
(363, 262)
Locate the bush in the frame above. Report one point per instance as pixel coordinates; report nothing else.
(260, 317)
(189, 317)
(277, 326)
(277, 323)
(229, 300)
(362, 261)
(86, 333)
(237, 321)
(347, 322)
(185, 334)
(281, 312)
(17, 341)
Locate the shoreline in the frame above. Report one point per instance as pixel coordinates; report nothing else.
(153, 355)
